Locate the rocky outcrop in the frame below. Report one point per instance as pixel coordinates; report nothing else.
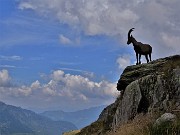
(145, 88)
(151, 87)
(156, 67)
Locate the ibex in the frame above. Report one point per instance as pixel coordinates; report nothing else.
(139, 48)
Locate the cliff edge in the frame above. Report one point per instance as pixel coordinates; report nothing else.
(145, 88)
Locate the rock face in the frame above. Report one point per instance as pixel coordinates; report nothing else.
(145, 88)
(149, 87)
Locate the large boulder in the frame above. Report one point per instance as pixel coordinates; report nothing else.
(166, 117)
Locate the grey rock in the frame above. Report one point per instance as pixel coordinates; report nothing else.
(166, 117)
(129, 104)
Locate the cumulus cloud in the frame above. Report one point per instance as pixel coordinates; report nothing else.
(116, 17)
(35, 85)
(61, 89)
(74, 85)
(123, 61)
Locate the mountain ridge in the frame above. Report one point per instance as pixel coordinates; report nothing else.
(15, 120)
(80, 118)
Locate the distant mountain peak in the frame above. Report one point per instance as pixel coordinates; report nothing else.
(21, 121)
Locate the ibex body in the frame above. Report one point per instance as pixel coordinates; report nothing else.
(139, 48)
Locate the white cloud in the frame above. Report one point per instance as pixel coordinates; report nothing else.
(123, 61)
(61, 90)
(57, 75)
(4, 77)
(75, 85)
(116, 17)
(94, 17)
(64, 40)
(21, 91)
(35, 85)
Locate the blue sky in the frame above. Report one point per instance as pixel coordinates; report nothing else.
(36, 40)
(57, 53)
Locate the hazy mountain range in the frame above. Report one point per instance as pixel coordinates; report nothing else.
(80, 118)
(18, 121)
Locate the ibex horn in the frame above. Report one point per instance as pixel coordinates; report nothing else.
(130, 32)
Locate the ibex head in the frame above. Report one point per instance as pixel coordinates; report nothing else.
(130, 36)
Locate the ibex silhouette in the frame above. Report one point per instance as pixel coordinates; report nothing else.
(139, 48)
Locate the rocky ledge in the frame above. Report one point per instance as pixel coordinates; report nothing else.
(145, 88)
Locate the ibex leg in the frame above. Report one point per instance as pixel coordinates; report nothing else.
(150, 56)
(147, 58)
(137, 58)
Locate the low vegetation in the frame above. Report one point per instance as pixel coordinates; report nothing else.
(138, 126)
(144, 125)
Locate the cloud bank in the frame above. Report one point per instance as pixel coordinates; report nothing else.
(61, 88)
